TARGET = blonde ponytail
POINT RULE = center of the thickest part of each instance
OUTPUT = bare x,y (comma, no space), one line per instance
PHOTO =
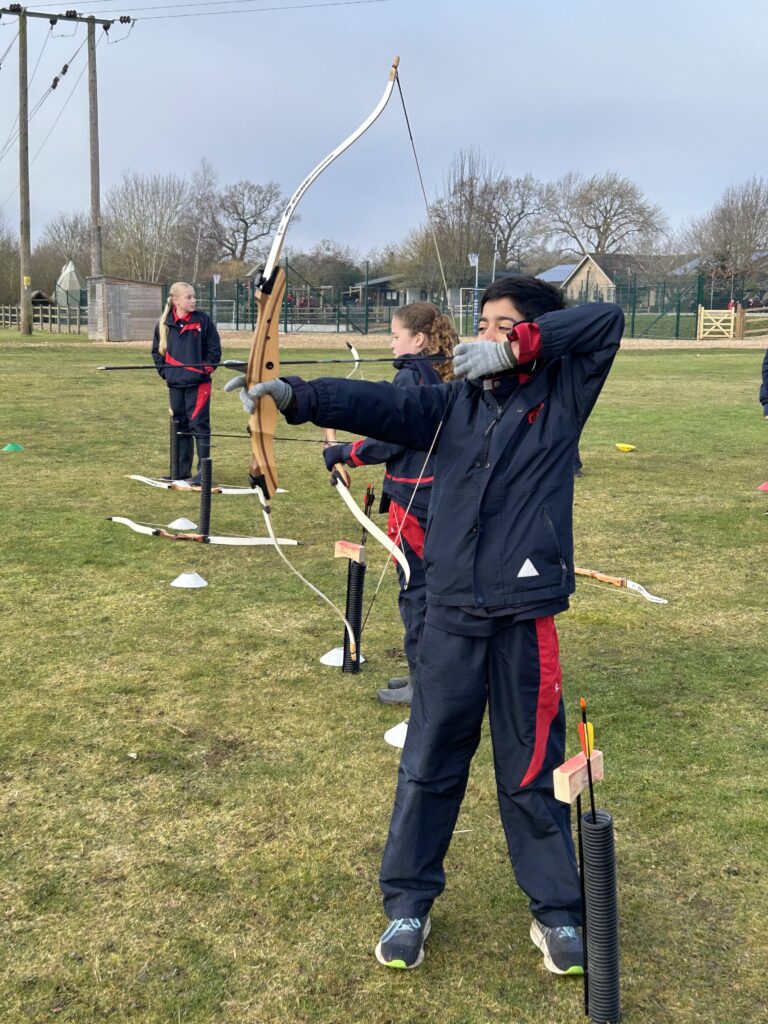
162,326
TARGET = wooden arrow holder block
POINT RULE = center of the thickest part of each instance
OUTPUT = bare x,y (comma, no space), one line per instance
571,778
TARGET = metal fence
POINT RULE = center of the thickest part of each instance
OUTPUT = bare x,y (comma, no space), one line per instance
662,309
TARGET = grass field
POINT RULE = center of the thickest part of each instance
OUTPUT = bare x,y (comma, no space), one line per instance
193,809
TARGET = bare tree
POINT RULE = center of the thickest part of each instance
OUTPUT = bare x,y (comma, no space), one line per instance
69,237
602,214
198,251
9,264
327,263
517,205
463,217
142,216
246,215
732,239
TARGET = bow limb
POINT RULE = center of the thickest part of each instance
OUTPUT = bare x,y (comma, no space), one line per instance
621,581
367,524
341,481
266,512
264,359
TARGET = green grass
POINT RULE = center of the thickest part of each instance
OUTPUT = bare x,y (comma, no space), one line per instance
228,871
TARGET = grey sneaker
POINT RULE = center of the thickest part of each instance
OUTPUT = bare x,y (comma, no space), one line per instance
398,682
402,944
562,947
402,695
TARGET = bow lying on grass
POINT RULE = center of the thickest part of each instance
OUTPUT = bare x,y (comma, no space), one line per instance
621,581
150,530
182,485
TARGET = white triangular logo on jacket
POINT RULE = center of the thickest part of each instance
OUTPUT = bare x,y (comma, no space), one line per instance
529,569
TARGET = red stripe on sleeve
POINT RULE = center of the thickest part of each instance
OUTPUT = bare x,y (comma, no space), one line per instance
353,454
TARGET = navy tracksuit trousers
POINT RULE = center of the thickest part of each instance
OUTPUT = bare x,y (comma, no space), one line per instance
517,673
192,408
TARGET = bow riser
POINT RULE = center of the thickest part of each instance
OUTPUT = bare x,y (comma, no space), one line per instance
264,364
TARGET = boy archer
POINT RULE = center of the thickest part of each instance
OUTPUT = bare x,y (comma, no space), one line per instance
499,565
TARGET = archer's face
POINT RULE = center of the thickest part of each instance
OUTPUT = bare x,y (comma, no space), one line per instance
497,320
185,301
405,342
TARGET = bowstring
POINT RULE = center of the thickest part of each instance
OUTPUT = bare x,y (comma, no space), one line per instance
430,219
430,223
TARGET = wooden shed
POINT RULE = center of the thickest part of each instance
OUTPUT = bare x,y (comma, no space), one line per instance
122,310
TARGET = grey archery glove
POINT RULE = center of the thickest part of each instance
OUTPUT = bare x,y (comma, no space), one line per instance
277,389
476,359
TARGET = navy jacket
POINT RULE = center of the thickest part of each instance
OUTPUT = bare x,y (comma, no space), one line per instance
764,385
404,466
189,341
500,524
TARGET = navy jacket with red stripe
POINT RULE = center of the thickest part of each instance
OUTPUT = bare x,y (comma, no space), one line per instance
193,339
500,524
404,466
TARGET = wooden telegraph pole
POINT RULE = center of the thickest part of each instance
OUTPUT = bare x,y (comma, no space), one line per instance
93,111
25,243
93,115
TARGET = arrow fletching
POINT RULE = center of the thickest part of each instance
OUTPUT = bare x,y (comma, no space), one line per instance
587,738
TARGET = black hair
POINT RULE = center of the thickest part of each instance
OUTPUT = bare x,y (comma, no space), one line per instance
530,295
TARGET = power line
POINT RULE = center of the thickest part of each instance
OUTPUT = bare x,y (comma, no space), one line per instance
57,78
244,10
50,130
8,49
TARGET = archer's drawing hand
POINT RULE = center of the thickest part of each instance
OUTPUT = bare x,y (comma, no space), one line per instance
279,390
476,359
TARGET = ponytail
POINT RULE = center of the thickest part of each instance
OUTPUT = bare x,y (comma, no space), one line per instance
162,326
426,318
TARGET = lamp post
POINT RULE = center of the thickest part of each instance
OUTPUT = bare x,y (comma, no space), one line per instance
474,261
216,278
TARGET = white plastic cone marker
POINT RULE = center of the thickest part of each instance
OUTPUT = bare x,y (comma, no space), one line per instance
182,524
335,658
189,580
395,736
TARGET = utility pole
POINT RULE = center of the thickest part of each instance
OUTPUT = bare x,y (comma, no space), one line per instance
93,111
25,243
93,116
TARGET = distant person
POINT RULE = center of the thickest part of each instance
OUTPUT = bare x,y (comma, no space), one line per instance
186,349
419,330
764,386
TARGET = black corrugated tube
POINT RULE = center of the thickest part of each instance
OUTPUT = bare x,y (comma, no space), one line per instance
354,613
206,478
602,924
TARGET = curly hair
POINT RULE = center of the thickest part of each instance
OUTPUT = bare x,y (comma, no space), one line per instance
426,318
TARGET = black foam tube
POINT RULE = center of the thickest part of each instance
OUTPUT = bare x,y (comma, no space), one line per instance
174,468
354,613
602,922
206,478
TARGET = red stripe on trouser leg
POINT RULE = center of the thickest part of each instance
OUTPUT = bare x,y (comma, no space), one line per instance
550,691
406,527
203,395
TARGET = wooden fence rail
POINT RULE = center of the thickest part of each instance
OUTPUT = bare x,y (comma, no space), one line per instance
62,319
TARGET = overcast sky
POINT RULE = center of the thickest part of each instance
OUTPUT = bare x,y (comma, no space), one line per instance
671,93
